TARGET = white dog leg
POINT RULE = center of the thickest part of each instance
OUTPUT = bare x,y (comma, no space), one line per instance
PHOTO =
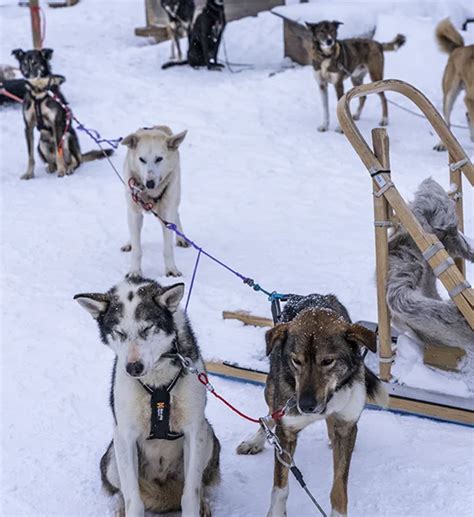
323,88
126,456
179,240
196,454
135,223
170,266
278,502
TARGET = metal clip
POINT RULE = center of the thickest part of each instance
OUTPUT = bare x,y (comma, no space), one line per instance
453,167
187,364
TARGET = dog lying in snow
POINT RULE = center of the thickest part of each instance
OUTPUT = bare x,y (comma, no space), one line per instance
412,295
335,60
153,162
58,145
164,455
315,361
458,74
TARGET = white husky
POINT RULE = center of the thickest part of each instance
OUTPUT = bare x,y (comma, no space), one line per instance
153,164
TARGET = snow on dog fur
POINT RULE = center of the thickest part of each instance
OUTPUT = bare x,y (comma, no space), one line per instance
142,323
153,162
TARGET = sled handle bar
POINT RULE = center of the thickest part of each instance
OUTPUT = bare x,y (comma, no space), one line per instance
457,154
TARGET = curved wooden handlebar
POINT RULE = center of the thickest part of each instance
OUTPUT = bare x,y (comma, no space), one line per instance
439,125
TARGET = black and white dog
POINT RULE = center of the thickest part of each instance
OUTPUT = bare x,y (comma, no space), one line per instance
180,18
164,455
43,108
205,37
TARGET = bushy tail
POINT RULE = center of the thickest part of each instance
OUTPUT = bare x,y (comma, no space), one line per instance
96,155
448,37
376,391
436,322
395,44
170,64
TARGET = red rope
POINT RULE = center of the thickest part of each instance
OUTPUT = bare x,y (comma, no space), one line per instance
11,95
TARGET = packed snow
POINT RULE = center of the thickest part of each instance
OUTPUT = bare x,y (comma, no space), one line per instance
262,190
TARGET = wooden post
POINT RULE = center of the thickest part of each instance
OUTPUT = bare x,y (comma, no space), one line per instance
456,179
380,142
36,24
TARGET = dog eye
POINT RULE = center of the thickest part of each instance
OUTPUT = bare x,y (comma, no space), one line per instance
142,159
158,159
144,332
328,362
295,361
120,334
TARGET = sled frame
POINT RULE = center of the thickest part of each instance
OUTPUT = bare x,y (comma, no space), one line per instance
388,201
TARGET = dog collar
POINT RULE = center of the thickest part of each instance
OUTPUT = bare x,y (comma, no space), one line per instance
161,409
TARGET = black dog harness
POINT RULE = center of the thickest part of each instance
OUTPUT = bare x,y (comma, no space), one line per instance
161,409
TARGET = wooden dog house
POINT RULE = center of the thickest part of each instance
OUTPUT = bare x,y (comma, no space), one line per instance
156,19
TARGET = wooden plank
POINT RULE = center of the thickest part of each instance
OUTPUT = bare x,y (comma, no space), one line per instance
160,33
381,214
443,357
455,178
411,406
247,319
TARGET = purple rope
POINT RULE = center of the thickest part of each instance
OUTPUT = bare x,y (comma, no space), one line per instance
196,264
95,135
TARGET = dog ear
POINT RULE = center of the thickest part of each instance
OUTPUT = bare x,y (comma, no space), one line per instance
58,79
171,296
47,53
175,141
362,337
276,336
311,26
18,53
94,303
336,23
130,141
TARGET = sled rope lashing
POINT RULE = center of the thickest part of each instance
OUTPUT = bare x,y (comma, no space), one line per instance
136,192
283,456
390,208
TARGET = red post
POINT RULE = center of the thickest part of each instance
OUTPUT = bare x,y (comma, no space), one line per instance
36,24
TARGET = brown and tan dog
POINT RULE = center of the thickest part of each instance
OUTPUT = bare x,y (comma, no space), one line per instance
335,60
315,362
458,74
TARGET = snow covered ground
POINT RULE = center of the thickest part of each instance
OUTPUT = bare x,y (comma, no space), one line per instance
263,190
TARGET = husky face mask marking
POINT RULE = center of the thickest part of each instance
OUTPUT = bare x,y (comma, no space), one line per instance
156,150
34,63
321,349
324,35
135,319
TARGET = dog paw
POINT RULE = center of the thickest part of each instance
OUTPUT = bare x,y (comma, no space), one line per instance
249,447
215,67
70,172
440,147
61,174
205,510
339,130
172,271
126,248
134,273
27,176
323,128
51,168
181,243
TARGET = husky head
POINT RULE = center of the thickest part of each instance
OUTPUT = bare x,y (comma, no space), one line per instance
319,350
324,35
34,63
136,319
154,154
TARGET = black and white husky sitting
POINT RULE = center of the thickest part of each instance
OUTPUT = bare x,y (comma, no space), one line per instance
164,455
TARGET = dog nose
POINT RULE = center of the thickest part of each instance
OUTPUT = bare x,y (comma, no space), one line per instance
307,403
150,184
329,41
135,369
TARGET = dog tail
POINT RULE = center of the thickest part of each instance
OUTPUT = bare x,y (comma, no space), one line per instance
170,64
96,155
395,44
448,37
376,391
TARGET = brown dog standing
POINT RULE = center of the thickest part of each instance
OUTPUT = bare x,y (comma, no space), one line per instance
315,362
335,60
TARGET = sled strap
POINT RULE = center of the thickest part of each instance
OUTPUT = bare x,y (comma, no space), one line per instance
462,286
386,359
453,167
431,251
383,224
446,264
382,190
